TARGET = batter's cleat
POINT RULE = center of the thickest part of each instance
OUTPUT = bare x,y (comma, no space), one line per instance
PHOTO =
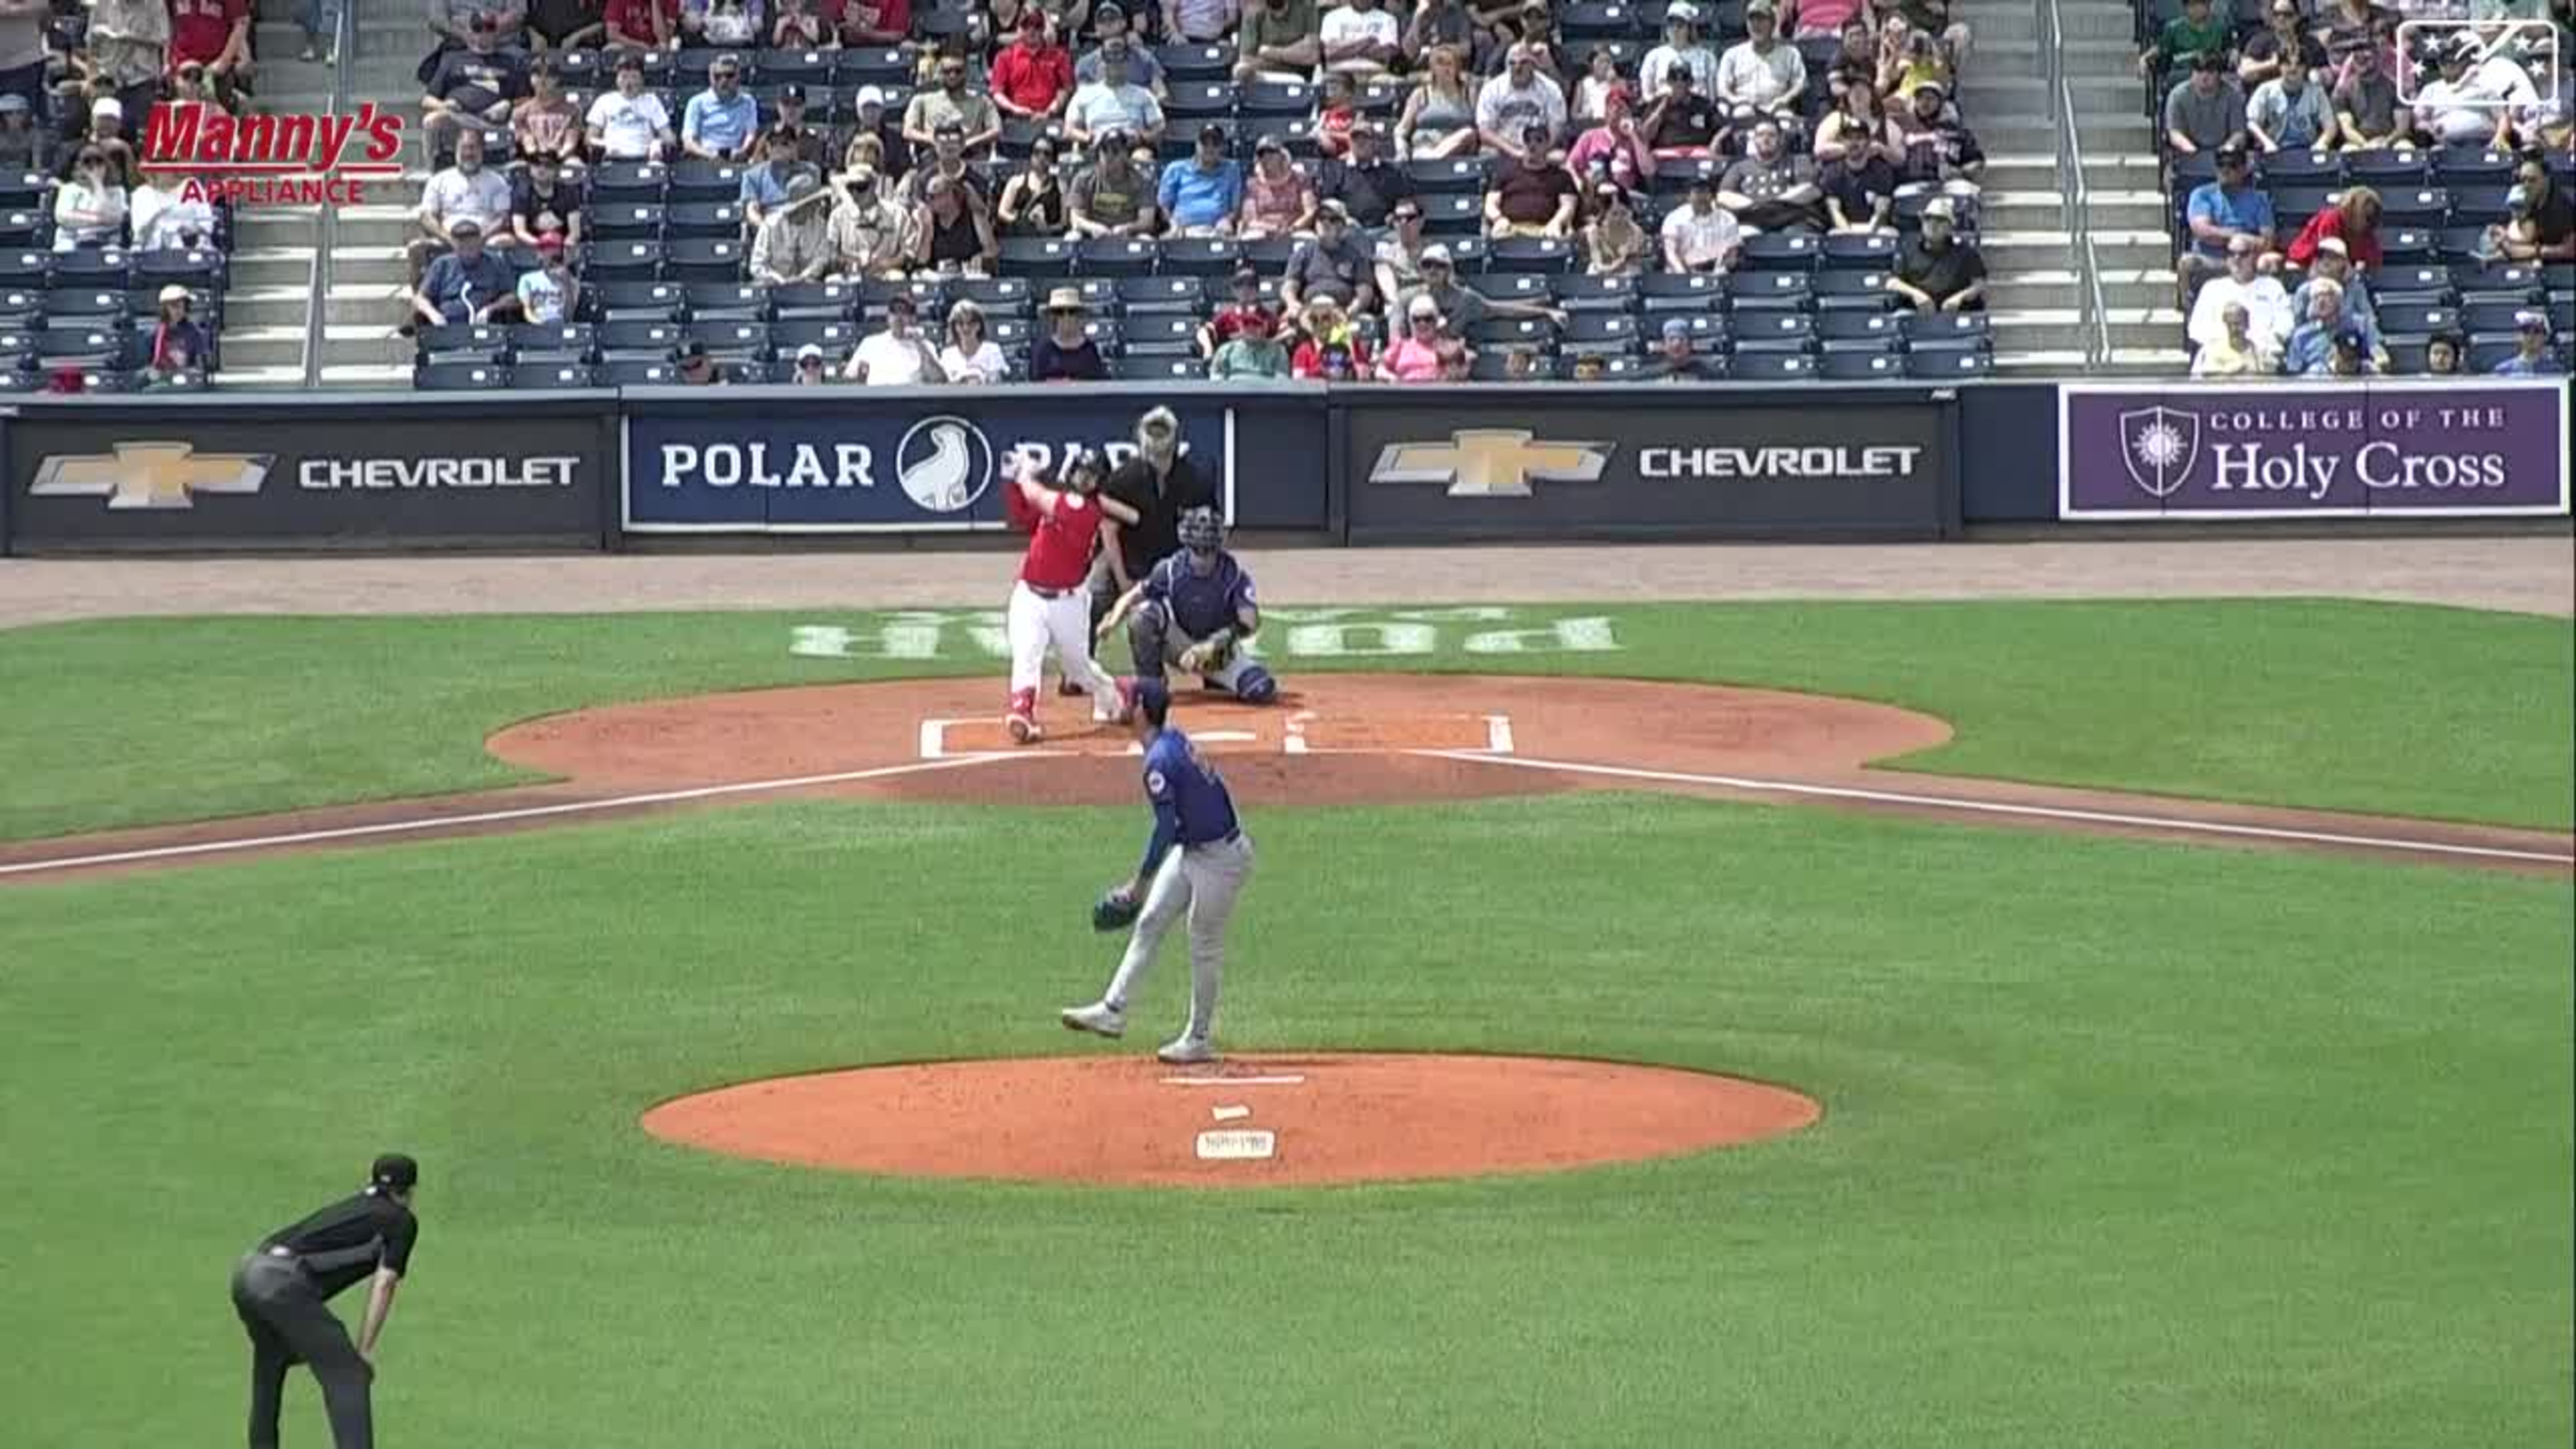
1112,707
1025,730
1068,689
1099,1018
1187,1051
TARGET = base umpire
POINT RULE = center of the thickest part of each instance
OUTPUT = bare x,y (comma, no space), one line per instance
281,1286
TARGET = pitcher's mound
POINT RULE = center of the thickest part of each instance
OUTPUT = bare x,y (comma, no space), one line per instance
1270,1121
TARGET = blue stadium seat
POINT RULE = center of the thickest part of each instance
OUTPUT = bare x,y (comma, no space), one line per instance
1537,287
2301,168
2456,166
1600,327
1186,62
702,259
570,339
1530,254
548,376
2481,317
1769,289
702,219
696,180
2404,245
638,260
1613,368
835,336
463,339
1466,174
1513,332
878,66
1685,292
1162,294
611,301
1840,326
1756,328
1200,256
730,339
998,296
1008,332
622,220
1576,292
1935,364
804,67
1037,256
1765,366
728,300
617,372
23,227
1852,291
1119,256
622,182
1867,365
1782,251
2485,352
2413,277
1155,330
2380,170
631,339
1933,328
2459,241
463,375
1597,20
1868,252
84,304
1452,213
2407,356
1158,368
103,267
1199,100
2479,202
825,300
1277,98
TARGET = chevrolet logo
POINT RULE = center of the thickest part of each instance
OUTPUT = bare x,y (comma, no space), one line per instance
1491,463
151,475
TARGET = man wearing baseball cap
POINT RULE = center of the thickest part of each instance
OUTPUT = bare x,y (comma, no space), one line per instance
2531,348
1203,192
280,1288
1032,77
550,294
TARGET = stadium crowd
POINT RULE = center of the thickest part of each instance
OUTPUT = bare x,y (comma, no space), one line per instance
2364,190
111,270
813,190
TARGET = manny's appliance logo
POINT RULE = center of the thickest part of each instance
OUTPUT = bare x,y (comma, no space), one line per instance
286,159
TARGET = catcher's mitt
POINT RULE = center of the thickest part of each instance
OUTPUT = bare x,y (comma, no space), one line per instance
1115,911
1207,657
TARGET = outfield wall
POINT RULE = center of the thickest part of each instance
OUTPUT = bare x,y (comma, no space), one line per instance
1345,465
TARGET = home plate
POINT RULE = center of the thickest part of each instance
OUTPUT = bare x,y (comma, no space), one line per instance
1237,1146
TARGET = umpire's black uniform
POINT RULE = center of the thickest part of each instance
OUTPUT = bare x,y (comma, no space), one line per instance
1159,500
280,1288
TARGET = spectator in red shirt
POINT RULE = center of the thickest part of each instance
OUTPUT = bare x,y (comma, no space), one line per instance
216,35
2354,219
642,24
1231,320
1333,350
1032,77
876,22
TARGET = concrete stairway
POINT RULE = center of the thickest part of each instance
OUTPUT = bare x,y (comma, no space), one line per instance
362,298
2035,263
270,292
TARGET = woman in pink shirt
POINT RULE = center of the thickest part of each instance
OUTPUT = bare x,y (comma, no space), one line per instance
1278,200
1615,149
1416,356
1819,17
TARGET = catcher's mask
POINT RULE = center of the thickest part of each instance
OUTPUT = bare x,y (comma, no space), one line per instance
1158,437
1202,535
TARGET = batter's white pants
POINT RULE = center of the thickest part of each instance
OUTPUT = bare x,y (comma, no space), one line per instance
1034,623
1201,883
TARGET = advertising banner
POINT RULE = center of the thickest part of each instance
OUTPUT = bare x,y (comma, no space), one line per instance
268,475
2456,448
1544,463
934,461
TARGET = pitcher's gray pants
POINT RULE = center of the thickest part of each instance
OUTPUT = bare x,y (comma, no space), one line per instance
1201,883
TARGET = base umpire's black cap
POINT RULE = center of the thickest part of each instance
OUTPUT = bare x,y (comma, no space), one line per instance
394,1170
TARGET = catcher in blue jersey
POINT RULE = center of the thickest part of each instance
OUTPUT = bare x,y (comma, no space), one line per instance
1193,610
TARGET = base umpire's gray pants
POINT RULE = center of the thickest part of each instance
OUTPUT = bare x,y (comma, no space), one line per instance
1201,883
288,1325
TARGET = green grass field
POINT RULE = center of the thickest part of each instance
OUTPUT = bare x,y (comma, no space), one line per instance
2127,1144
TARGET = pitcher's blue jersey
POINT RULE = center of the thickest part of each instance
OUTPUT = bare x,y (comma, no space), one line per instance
1201,606
1190,800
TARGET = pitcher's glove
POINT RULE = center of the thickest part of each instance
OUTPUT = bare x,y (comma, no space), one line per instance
1115,911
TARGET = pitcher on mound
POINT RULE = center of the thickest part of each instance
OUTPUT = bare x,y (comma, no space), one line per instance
1051,601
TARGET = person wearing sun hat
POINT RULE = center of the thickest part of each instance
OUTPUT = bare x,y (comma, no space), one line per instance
1065,352
2531,348
179,347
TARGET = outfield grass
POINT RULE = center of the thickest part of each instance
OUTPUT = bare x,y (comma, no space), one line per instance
2127,1144
2399,709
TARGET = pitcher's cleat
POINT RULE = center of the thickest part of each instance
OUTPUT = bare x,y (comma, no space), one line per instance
1099,1018
1187,1051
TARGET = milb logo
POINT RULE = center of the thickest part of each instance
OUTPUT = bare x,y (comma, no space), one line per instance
2478,65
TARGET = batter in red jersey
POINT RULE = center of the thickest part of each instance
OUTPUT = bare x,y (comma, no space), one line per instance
1051,602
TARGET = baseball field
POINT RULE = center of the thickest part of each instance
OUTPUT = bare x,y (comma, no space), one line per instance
2185,1007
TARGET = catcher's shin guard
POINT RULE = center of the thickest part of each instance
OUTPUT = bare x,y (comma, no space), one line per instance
1145,635
1255,685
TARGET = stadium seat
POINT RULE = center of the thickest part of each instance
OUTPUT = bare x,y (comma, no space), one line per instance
102,267
1530,254
1537,287
1187,62
1769,326
727,300
2407,355
1576,292
1451,214
1037,256
572,339
2427,206
1709,331
1840,326
2406,244
1161,330
1782,251
1613,368
2456,166
1597,20
1513,332
2301,168
1583,326
634,301
2485,352
1840,290
617,372
998,296
463,340
623,261
2475,317
1948,363
702,258
548,376
836,336
803,67
1158,369
1199,100
622,220
1200,256
2380,170
825,300
1683,292
460,376
630,339
1868,365
188,268
627,182
84,304
1162,294
1924,329
1009,332
1769,289
1867,252
1765,366
697,180
1455,175
1277,98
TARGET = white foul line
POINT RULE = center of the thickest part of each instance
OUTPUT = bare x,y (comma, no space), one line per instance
487,817
1998,807
1232,1081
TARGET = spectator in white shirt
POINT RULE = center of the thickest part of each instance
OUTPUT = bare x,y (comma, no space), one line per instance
173,215
550,294
629,123
2265,300
1519,98
1700,235
1114,103
2473,102
1765,75
971,356
1682,44
89,209
1361,39
2290,112
466,191
1199,22
899,356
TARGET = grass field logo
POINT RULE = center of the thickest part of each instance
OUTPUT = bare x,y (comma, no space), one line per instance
2477,65
1491,463
275,159
153,475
